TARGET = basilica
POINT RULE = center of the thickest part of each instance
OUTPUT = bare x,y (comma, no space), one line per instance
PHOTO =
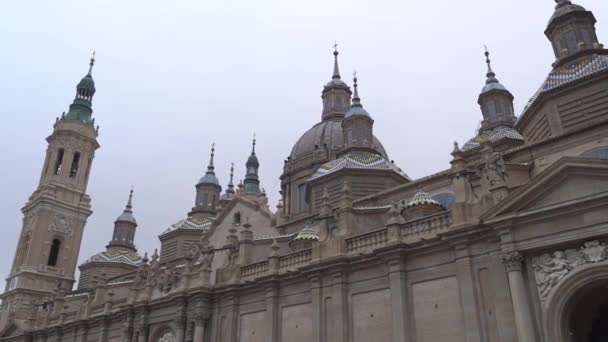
508,243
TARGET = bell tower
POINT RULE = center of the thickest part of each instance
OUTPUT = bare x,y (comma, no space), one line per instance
55,214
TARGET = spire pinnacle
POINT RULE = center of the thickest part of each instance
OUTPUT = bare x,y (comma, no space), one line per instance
253,144
91,63
129,205
127,213
336,75
211,166
230,189
356,98
490,73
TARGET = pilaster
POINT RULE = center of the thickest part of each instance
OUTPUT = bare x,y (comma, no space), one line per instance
468,295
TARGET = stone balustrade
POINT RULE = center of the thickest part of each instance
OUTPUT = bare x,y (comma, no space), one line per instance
367,241
255,270
426,228
296,259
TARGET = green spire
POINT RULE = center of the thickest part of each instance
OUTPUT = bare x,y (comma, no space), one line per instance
81,109
252,181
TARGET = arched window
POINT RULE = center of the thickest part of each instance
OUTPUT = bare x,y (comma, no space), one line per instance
597,153
54,253
236,219
58,161
74,166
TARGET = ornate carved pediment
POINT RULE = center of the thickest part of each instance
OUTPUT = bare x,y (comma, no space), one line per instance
567,180
550,269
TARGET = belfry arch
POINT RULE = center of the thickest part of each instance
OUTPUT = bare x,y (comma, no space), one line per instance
577,308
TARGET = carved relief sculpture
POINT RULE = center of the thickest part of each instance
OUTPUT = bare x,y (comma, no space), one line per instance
550,269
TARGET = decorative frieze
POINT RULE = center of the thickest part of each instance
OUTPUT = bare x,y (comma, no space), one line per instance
550,269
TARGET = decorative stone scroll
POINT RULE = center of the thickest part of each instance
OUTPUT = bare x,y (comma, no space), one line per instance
550,269
62,224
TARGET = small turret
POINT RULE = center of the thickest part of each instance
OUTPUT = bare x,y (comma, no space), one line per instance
251,184
81,109
571,31
358,125
336,94
208,190
124,228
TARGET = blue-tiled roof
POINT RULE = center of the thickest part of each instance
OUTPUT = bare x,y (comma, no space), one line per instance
568,73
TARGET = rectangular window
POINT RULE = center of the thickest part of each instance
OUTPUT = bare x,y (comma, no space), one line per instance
302,204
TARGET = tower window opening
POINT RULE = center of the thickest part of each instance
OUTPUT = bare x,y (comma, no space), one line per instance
571,41
74,166
359,135
54,253
236,219
587,38
59,161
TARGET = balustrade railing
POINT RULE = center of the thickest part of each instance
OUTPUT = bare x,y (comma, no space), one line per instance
371,240
295,259
426,228
254,270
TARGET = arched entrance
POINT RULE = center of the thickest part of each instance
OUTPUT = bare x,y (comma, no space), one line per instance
588,321
577,309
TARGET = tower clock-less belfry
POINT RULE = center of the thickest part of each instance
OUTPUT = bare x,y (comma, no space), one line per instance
55,214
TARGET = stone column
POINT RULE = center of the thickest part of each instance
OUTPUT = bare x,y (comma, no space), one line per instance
103,330
272,312
180,328
340,307
199,327
398,286
317,308
467,293
523,318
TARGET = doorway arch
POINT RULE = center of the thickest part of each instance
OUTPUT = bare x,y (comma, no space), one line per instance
578,306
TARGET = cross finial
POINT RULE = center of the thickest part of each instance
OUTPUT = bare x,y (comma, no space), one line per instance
335,46
253,145
490,73
91,63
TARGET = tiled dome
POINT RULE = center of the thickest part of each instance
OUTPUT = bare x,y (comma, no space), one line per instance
327,132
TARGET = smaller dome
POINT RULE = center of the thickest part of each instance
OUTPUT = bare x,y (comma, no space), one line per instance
336,83
126,217
422,198
357,111
87,83
209,178
116,256
493,135
197,223
563,8
493,86
307,233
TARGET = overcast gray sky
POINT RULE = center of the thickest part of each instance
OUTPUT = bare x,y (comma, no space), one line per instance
174,76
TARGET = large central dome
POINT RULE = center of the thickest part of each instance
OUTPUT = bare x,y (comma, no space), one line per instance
325,134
